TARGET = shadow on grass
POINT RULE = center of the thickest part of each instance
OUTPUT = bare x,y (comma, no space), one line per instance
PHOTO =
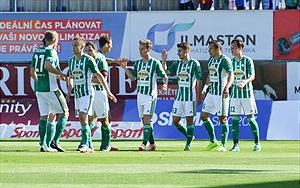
278,184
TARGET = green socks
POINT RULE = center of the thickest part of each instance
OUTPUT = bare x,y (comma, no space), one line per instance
102,137
190,134
182,128
85,134
254,127
92,125
210,130
146,133
50,132
151,137
224,135
235,129
42,131
60,126
106,134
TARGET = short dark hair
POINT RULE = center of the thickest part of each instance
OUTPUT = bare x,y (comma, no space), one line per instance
50,35
104,39
146,42
80,40
217,44
238,42
184,45
94,46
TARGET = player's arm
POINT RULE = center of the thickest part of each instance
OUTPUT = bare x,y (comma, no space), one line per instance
127,71
199,92
117,61
104,84
70,88
96,80
164,87
246,81
164,56
33,74
205,88
228,85
50,68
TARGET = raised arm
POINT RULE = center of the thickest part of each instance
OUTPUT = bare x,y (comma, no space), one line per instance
164,56
127,71
117,61
49,67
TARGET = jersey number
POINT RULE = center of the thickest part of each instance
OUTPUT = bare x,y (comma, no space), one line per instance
39,59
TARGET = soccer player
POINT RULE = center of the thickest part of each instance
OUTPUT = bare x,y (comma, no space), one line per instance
219,80
146,71
242,101
189,73
100,104
82,67
45,70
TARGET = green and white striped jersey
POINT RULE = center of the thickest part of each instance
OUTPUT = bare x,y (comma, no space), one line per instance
81,70
187,75
46,81
147,74
242,70
102,66
218,69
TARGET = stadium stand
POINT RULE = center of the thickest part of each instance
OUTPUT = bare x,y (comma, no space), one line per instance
123,5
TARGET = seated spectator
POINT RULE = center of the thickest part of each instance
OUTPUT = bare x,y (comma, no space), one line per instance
205,4
221,4
187,5
291,4
240,4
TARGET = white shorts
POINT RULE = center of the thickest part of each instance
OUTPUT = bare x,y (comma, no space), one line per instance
84,104
184,108
51,102
216,104
245,106
146,104
100,104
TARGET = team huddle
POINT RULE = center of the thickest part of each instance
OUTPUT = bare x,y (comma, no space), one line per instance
228,86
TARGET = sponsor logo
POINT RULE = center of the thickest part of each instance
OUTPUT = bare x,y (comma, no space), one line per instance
12,106
238,73
172,29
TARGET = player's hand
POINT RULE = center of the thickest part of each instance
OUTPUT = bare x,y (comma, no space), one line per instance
241,85
164,87
112,97
226,92
121,60
123,65
164,55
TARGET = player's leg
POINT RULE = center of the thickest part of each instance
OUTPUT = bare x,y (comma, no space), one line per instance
251,109
190,113
208,108
44,111
236,108
59,105
85,110
177,114
146,107
222,106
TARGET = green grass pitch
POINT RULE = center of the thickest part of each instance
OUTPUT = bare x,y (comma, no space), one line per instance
277,165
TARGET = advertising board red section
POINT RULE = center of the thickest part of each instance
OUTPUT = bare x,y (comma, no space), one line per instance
286,35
